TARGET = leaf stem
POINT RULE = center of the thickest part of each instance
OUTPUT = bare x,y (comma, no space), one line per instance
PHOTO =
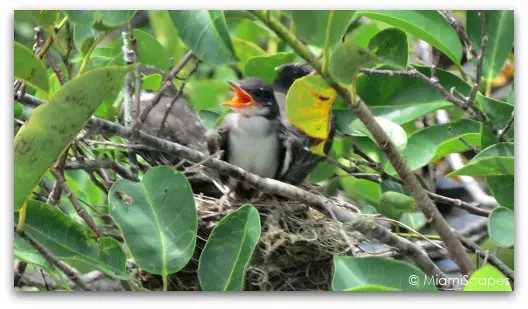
326,48
165,281
86,58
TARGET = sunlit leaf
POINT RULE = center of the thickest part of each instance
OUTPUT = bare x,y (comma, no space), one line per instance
308,105
488,279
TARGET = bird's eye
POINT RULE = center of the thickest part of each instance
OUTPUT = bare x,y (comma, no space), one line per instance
258,93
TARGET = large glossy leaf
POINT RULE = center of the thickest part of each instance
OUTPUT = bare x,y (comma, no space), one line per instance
499,28
437,141
427,25
84,37
29,69
53,125
347,121
351,273
395,133
488,279
311,26
226,255
499,166
158,219
501,227
206,34
72,242
391,46
264,67
150,51
415,220
308,106
347,59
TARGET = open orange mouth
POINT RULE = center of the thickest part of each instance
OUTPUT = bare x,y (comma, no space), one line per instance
242,99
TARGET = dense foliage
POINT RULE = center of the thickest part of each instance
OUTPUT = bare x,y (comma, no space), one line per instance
439,85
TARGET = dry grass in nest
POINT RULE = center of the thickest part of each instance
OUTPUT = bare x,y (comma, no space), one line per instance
294,253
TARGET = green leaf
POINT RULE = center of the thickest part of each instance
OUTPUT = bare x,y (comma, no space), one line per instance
429,26
356,188
208,94
347,59
53,125
158,219
150,52
511,95
501,227
390,45
362,35
437,141
112,18
226,255
499,28
488,279
165,33
498,113
347,121
396,134
352,273
72,242
498,166
415,220
308,106
311,26
372,288
206,34
394,204
29,69
246,50
84,37
152,82
264,67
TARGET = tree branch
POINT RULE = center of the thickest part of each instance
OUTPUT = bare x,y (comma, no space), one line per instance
502,133
65,268
480,60
410,182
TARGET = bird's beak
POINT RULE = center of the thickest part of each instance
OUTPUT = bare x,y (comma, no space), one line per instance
242,99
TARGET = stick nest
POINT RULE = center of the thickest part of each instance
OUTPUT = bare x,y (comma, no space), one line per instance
294,252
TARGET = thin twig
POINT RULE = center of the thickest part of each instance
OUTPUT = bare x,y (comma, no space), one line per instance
20,268
472,110
492,258
178,95
502,133
461,33
92,165
65,268
462,140
167,82
480,60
